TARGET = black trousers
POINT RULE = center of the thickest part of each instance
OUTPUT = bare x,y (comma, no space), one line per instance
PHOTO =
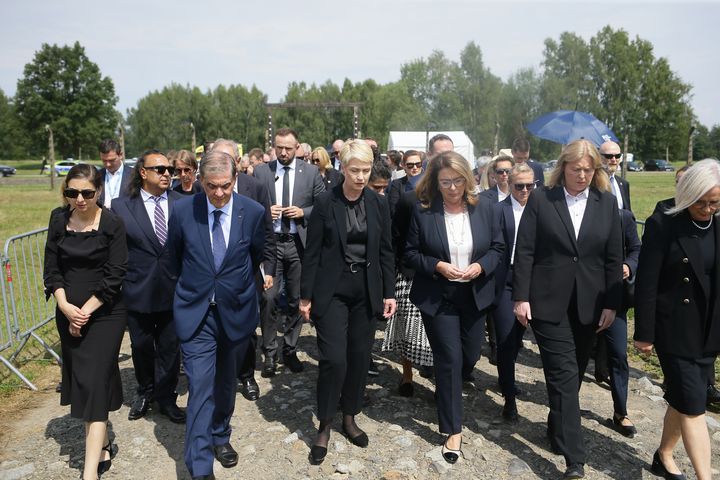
509,334
611,356
455,334
345,334
565,350
155,354
246,360
289,255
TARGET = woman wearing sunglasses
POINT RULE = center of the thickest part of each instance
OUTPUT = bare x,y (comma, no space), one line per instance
186,169
320,158
85,263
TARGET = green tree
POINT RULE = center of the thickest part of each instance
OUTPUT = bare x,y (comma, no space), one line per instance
62,88
13,141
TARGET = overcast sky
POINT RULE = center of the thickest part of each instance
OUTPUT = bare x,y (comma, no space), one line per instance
145,45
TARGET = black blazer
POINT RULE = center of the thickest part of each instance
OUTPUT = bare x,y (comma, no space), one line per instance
124,183
400,226
253,188
149,284
332,177
427,245
538,171
503,213
550,263
624,192
672,307
491,194
631,241
324,257
395,191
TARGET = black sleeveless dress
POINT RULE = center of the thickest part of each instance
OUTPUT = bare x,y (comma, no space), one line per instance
86,264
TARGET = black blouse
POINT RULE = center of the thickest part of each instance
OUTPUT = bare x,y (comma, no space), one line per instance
356,225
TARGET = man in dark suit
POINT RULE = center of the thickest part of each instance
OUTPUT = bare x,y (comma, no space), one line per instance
216,245
610,155
148,286
116,177
521,154
252,188
293,185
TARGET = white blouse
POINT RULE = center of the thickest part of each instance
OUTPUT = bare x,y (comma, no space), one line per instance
459,240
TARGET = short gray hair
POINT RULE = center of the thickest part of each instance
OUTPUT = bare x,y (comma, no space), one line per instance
520,168
231,143
215,161
699,179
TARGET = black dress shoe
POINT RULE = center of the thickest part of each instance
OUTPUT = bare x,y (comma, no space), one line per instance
226,455
509,412
574,470
293,363
204,477
317,454
269,368
139,408
406,389
360,440
372,369
658,468
173,413
713,394
249,388
626,430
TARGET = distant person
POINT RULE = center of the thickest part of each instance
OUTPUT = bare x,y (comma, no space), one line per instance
611,155
677,312
521,154
413,165
115,176
335,154
321,159
256,157
186,170
502,166
85,263
379,178
394,164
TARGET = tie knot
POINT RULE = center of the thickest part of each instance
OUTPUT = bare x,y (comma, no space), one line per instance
286,168
156,199
217,214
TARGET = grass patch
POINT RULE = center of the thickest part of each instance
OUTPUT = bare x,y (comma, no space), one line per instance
25,207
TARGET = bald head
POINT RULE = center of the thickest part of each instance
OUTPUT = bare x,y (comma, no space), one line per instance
610,156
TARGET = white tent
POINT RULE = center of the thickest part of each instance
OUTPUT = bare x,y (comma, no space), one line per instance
417,141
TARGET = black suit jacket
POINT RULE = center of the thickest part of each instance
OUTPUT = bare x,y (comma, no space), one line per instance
149,284
503,213
550,264
324,258
395,192
673,309
400,226
664,205
491,194
624,192
538,171
332,177
427,245
127,175
252,188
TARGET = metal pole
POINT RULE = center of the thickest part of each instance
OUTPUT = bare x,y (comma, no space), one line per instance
194,141
51,148
623,166
356,122
691,139
121,130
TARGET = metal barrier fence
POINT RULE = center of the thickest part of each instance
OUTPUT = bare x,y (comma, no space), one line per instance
23,294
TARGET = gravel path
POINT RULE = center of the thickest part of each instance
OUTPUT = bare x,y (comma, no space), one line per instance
273,435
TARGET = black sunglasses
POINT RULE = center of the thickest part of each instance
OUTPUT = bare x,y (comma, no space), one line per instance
161,169
73,193
500,171
523,186
412,165
612,155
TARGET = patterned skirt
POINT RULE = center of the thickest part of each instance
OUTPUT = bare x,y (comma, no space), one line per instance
405,332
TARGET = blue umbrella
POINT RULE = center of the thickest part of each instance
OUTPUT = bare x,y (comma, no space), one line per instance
564,126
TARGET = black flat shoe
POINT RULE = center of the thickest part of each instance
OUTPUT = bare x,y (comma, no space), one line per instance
317,454
406,389
451,456
105,465
226,455
626,430
574,470
359,440
172,412
658,468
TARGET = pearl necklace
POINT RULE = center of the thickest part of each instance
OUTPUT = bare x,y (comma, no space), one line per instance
451,226
706,226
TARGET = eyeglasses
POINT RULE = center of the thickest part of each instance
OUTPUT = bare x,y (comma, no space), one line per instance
184,170
446,184
73,193
314,160
502,171
411,165
161,169
612,155
523,186
712,205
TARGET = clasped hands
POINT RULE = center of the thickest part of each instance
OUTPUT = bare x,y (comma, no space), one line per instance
76,316
290,212
451,272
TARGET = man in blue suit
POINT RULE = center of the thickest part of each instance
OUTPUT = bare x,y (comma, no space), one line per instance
216,241
149,285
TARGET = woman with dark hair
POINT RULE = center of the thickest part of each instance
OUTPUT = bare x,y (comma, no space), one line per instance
412,163
85,263
347,283
454,246
677,310
320,158
186,167
567,282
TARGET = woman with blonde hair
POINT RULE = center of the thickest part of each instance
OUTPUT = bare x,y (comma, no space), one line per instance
320,158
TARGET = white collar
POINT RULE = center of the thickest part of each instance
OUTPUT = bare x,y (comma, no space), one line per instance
146,196
580,196
515,204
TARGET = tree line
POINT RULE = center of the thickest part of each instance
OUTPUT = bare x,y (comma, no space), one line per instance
614,76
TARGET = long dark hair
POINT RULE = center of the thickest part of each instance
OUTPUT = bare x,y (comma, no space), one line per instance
83,171
137,181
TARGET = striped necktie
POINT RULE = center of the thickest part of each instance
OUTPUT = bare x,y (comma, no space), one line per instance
160,225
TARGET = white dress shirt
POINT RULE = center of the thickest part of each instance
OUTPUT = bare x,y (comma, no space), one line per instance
225,220
113,183
460,240
501,195
517,215
149,202
576,205
279,174
616,191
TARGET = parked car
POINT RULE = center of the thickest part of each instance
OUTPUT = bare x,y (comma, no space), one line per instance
549,166
658,166
6,171
61,168
130,162
635,166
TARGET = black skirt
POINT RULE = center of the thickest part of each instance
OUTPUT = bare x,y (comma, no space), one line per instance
686,381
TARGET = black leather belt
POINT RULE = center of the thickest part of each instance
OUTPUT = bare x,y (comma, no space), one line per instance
356,266
285,237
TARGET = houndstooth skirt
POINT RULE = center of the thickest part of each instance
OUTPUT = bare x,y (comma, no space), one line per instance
405,332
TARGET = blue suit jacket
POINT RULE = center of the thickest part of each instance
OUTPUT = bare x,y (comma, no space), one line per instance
149,283
427,244
233,285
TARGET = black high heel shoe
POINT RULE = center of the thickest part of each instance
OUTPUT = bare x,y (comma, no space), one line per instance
105,465
451,456
658,468
626,430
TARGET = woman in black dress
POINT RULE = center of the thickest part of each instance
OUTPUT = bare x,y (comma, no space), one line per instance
320,158
677,311
85,262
